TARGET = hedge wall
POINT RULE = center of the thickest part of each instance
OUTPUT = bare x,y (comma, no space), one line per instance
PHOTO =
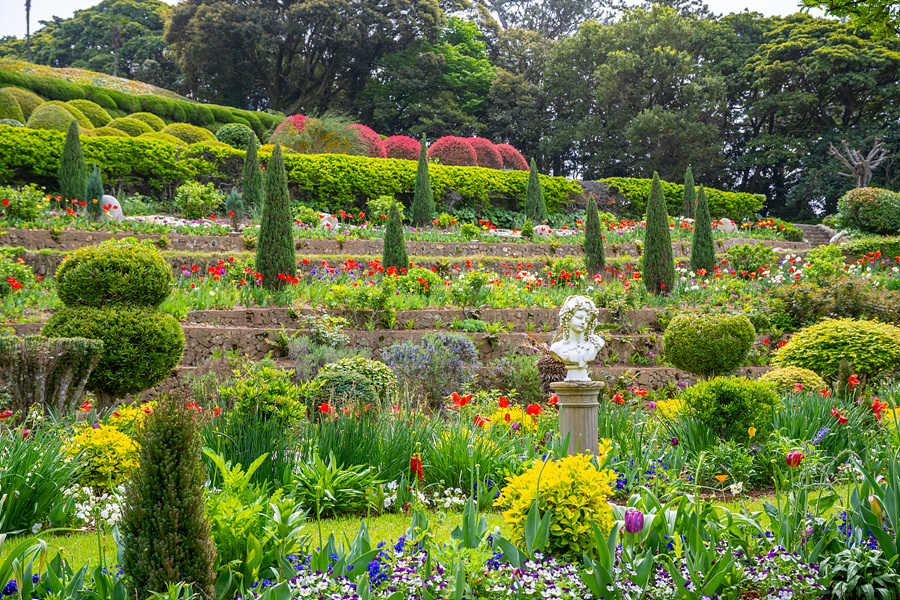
721,204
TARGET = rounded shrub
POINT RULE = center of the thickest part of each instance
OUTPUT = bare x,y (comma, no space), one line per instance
340,389
9,107
83,121
164,137
124,101
235,135
381,376
155,123
787,379
28,101
869,346
874,210
401,146
50,116
109,131
195,200
708,344
264,390
512,158
12,123
371,141
140,346
115,273
189,133
730,406
222,114
131,126
486,153
100,97
453,151
204,115
95,113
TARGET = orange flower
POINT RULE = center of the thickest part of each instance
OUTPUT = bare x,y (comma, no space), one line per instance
553,399
415,465
619,398
86,406
721,478
640,392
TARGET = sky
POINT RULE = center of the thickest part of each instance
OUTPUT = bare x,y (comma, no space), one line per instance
12,12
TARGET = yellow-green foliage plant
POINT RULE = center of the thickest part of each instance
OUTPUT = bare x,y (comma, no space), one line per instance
708,344
109,131
131,126
150,119
95,113
79,116
869,346
9,108
164,137
573,490
28,101
189,133
110,456
787,379
50,116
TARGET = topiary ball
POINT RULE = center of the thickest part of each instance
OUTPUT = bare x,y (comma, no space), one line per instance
453,151
874,210
131,126
708,344
235,135
140,346
95,113
155,123
869,346
786,379
512,158
9,107
189,133
340,389
28,101
486,153
401,146
115,273
50,116
371,141
730,406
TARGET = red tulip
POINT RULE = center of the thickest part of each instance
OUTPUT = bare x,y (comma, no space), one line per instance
794,458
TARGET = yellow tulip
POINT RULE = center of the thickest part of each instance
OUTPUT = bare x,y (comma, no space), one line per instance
751,432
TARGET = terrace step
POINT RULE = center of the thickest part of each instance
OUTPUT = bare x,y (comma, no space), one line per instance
816,235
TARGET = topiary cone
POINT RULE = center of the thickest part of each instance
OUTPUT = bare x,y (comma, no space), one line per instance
594,255
72,169
275,253
703,253
422,211
658,264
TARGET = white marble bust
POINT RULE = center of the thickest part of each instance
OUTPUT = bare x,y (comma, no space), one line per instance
576,343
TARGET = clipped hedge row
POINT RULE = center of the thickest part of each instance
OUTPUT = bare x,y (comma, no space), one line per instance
721,204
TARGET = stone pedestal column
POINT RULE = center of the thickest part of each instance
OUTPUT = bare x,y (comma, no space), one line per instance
578,414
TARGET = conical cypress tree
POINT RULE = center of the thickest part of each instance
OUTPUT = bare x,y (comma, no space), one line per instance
72,170
165,531
394,242
422,211
658,270
689,199
93,194
535,207
594,256
275,247
252,183
703,253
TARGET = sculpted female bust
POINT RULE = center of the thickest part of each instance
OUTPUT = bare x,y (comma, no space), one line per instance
576,344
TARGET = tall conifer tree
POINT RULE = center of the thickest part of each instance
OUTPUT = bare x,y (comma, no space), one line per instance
703,253
394,251
594,255
275,253
535,206
252,178
658,268
422,211
689,199
93,194
72,170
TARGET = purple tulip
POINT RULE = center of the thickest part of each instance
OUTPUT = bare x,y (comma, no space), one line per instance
634,521
674,441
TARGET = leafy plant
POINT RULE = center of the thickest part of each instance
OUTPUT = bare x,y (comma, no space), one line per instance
331,489
708,344
196,201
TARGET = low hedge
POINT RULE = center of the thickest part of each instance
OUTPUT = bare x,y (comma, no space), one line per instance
733,205
888,247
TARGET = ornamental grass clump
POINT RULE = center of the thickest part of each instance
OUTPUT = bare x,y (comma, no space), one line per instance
574,490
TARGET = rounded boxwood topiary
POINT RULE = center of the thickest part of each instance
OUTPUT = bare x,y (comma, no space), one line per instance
379,374
340,389
115,273
235,135
50,116
708,344
874,210
9,108
869,346
730,406
131,126
786,379
164,137
28,100
110,132
140,346
95,113
189,133
83,121
155,123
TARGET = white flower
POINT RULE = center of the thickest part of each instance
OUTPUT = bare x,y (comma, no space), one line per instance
736,488
36,527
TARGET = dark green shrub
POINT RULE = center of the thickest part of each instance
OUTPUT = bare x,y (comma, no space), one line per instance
93,111
708,344
164,527
869,346
339,390
221,114
51,116
235,135
140,346
189,112
28,101
157,105
9,107
72,172
657,263
730,406
93,194
516,373
204,115
155,123
189,133
746,258
131,126
275,254
127,102
703,253
100,97
115,273
394,249
785,380
689,196
251,179
535,206
873,210
422,210
594,255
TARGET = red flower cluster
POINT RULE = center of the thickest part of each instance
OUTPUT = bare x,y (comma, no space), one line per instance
841,419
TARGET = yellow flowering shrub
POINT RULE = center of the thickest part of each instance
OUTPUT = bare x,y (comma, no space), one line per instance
110,456
512,417
575,492
670,409
128,417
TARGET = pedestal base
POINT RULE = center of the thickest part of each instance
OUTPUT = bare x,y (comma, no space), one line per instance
577,402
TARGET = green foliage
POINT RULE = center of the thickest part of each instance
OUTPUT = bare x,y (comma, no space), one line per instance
721,204
164,527
824,263
708,344
265,390
109,131
189,133
93,194
381,205
880,17
423,200
790,232
83,121
115,273
95,113
339,390
594,255
517,374
24,203
731,405
703,253
328,134
749,258
860,572
657,263
436,366
155,123
689,197
535,205
329,490
9,108
28,101
785,379
378,373
251,178
156,135
275,246
869,346
196,201
140,346
72,173
527,231
51,116
394,249
873,210
131,126
236,135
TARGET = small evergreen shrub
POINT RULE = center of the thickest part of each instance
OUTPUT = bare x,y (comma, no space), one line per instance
401,146
95,113
689,199
512,158
150,119
265,390
50,116
486,153
423,200
703,252
657,263
381,376
786,380
28,101
131,126
111,132
340,390
235,135
436,366
115,273
9,108
748,258
453,151
275,254
164,527
72,170
189,133
869,346
708,344
730,406
196,201
83,121
394,249
594,254
372,144
251,178
535,206
873,210
154,135
517,373
93,194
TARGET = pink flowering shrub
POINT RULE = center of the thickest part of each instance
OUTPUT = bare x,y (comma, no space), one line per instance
288,129
401,146
512,158
371,141
487,154
453,151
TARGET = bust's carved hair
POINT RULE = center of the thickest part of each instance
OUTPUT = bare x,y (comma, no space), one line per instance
569,307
